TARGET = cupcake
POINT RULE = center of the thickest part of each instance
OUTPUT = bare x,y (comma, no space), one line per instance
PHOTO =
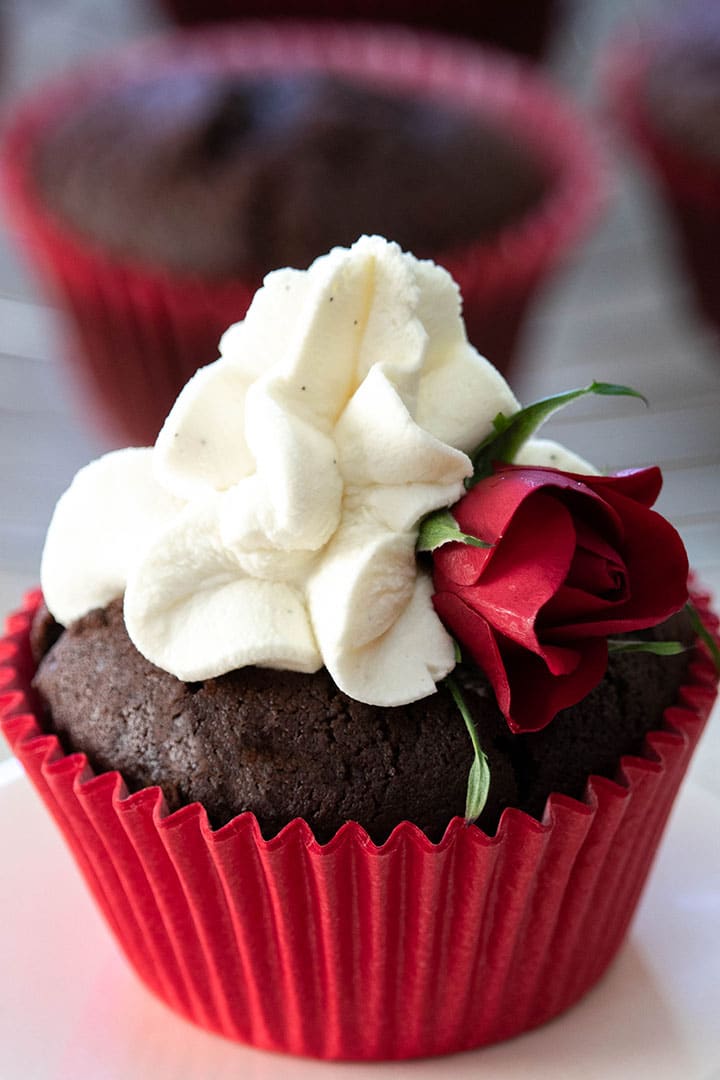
351,774
665,93
156,189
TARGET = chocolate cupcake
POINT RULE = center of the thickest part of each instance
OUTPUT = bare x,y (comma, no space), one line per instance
291,681
156,190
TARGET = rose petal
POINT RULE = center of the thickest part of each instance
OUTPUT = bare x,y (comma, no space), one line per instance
476,639
597,567
640,485
657,570
489,507
528,567
536,695
528,694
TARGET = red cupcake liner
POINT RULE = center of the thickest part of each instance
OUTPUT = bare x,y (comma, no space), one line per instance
690,184
141,331
350,950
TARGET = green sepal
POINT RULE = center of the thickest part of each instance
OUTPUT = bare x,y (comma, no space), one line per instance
658,648
509,433
477,789
441,528
479,775
704,634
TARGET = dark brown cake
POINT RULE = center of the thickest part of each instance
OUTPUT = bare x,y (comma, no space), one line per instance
221,175
286,745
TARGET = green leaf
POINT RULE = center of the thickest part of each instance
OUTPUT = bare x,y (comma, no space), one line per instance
509,433
479,775
658,648
441,528
704,634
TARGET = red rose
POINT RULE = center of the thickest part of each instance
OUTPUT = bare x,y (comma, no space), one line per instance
575,559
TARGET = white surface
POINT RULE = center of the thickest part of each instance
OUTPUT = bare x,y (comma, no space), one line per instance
71,1007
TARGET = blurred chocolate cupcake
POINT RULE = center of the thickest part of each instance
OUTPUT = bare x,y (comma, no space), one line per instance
157,189
222,175
665,92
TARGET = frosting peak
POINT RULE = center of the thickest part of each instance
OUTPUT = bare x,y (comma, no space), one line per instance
275,520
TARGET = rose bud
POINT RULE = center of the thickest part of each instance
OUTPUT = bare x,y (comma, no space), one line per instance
574,560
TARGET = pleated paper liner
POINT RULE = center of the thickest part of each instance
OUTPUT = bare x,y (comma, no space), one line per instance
690,184
352,950
141,330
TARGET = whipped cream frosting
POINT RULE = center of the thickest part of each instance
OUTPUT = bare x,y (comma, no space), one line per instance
274,521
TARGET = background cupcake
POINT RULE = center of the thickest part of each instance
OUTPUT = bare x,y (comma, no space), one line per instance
141,323
665,92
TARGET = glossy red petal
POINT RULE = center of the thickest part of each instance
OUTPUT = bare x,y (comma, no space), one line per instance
488,508
528,694
458,564
536,695
597,567
657,571
527,569
477,640
641,485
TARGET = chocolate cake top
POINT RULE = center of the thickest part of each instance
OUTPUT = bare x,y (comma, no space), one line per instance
284,744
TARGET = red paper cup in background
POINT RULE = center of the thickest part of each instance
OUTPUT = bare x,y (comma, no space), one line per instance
690,184
141,330
350,950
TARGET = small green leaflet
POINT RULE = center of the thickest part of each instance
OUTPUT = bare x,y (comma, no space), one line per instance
479,775
704,634
509,433
658,648
441,528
